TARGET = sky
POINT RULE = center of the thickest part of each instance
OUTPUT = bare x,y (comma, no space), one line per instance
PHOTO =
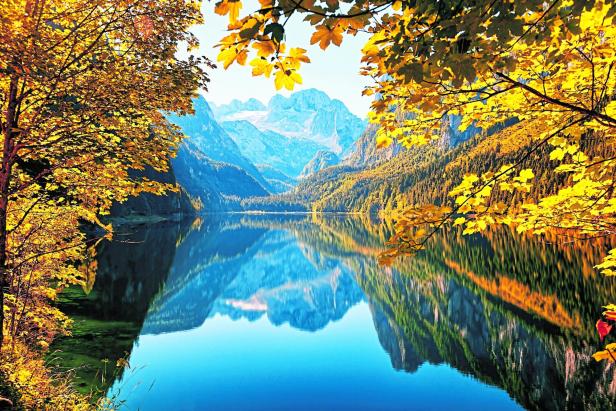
334,71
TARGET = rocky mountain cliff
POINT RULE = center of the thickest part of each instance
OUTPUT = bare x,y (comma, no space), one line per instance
321,160
268,148
206,135
365,153
308,114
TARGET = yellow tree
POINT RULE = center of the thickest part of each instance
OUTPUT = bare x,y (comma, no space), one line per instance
548,65
84,85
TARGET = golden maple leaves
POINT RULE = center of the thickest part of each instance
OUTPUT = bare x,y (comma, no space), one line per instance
97,76
326,35
271,57
263,30
230,7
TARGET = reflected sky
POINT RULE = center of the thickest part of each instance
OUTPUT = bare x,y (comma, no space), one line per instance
243,365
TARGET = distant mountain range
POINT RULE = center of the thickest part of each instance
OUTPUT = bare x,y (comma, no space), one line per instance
308,114
288,133
298,153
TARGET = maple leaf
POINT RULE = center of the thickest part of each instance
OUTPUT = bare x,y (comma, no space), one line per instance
603,328
264,48
227,56
298,54
230,7
260,66
287,79
607,354
325,35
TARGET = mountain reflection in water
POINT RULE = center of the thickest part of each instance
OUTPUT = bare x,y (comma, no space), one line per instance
294,312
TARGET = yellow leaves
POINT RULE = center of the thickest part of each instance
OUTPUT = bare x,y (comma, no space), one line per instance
610,109
466,185
122,363
297,55
557,154
525,175
230,7
324,35
261,67
287,79
23,376
229,55
383,141
459,221
607,354
608,266
264,48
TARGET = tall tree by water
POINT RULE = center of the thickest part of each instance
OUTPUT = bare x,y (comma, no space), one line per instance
84,85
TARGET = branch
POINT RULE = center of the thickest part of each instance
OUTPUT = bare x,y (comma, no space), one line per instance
591,113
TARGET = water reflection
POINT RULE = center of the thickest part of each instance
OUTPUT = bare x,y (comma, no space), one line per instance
263,312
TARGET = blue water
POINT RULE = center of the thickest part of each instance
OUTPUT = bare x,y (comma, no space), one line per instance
243,365
296,313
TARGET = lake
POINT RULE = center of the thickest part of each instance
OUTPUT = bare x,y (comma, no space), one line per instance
237,312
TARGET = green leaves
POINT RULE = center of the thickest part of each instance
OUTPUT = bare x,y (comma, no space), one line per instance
276,32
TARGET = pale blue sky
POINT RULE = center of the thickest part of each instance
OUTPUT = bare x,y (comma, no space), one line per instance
335,71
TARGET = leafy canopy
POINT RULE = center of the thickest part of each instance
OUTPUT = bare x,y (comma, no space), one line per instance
547,65
84,87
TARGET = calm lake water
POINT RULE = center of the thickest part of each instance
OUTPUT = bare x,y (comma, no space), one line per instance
295,313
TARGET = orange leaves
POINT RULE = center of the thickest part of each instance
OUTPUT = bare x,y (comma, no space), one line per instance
144,26
264,48
232,54
230,7
297,56
324,35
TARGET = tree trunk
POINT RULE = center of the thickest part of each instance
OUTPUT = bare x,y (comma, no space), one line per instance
5,176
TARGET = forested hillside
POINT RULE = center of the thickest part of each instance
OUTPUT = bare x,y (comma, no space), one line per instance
396,177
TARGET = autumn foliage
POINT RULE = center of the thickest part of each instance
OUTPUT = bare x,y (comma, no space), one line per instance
545,64
84,87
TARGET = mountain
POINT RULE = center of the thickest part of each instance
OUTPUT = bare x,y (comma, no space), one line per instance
207,136
365,153
147,205
236,106
288,132
287,155
213,184
279,181
321,160
312,114
372,180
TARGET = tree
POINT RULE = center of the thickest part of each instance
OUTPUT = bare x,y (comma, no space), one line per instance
547,65
84,85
